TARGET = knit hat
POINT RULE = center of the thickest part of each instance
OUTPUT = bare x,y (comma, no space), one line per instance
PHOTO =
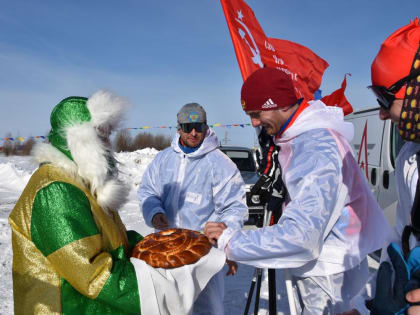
267,89
394,60
191,113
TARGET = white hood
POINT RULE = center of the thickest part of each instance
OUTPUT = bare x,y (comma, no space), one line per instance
318,115
209,143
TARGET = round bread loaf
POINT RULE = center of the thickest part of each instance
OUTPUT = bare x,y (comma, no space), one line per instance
172,248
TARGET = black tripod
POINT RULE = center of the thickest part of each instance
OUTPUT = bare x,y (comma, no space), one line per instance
272,192
257,278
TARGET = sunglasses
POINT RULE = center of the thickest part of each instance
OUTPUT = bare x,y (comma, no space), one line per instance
386,96
199,127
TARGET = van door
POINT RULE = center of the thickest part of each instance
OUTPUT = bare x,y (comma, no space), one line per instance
367,142
387,193
376,144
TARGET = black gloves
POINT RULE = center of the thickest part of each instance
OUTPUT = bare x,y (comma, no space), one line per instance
390,299
262,188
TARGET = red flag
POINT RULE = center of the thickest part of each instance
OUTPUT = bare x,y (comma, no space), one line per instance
337,98
247,35
254,50
308,66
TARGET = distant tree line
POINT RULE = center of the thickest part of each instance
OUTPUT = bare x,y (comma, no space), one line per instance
123,142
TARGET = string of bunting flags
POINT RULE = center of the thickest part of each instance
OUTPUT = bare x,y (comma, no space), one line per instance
22,139
212,126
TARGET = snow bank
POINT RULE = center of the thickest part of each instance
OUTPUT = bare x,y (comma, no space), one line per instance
15,178
132,165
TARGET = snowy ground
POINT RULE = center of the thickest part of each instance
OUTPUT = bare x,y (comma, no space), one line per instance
16,171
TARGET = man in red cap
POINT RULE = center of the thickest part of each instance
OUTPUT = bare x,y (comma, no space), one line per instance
396,84
331,221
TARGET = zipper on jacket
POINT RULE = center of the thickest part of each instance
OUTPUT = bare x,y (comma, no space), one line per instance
179,181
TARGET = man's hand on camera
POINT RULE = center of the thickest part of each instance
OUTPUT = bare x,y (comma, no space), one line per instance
262,188
263,183
160,222
213,230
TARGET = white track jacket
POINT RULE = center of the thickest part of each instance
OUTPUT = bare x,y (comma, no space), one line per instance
331,220
191,189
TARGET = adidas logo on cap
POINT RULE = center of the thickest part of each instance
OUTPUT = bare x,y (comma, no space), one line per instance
269,104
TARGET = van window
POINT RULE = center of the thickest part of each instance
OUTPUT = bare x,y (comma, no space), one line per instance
396,144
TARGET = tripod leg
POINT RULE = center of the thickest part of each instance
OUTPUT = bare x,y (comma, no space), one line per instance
251,291
257,294
272,298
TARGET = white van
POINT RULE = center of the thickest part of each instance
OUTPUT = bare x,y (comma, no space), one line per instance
376,144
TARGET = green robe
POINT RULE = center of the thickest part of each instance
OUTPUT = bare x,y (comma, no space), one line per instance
69,255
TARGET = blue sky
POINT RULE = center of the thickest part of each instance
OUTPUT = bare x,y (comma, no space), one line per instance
163,54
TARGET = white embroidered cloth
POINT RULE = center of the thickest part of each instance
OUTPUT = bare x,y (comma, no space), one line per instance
173,291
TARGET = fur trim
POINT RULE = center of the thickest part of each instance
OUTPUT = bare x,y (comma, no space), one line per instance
112,195
106,110
88,153
47,153
90,167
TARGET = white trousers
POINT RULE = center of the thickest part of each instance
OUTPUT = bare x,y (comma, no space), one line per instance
329,294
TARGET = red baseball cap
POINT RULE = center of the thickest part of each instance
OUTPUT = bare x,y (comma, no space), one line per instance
394,59
267,89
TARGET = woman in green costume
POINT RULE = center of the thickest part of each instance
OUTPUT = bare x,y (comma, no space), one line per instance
70,248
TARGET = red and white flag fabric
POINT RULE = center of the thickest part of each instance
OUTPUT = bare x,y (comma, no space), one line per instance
308,66
255,50
337,98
